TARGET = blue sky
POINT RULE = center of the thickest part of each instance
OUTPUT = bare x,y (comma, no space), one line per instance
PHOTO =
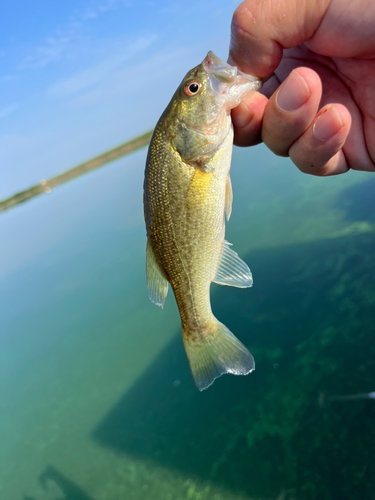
80,77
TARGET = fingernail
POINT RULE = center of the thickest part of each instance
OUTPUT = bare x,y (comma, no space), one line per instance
242,116
327,124
293,93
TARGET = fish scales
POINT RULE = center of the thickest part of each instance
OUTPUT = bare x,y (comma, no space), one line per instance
185,198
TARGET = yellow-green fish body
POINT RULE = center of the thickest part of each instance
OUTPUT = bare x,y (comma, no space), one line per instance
187,191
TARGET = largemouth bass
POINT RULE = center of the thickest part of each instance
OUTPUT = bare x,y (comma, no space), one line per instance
187,190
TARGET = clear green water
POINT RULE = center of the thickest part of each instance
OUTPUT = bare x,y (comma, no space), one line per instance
97,402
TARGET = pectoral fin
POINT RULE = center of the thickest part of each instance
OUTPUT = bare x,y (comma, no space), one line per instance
228,197
232,270
157,284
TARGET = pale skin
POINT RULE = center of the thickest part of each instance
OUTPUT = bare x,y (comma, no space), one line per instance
318,103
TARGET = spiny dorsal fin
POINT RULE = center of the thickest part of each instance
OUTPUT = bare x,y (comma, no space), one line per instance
157,285
228,197
232,270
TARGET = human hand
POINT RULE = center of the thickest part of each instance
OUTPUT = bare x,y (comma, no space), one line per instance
321,106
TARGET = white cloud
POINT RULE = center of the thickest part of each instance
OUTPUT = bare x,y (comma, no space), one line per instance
4,112
66,39
53,50
112,5
89,14
106,69
9,78
94,12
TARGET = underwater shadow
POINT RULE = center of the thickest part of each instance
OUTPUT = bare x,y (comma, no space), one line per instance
309,322
358,201
52,478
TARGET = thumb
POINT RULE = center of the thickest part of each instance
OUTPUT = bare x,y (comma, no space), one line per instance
261,29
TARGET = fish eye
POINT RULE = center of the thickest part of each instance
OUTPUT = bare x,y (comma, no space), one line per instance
192,88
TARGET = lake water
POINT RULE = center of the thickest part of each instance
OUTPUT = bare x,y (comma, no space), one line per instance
97,401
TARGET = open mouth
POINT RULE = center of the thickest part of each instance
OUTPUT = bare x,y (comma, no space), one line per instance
219,69
224,78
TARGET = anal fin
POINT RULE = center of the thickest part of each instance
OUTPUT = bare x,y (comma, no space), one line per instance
232,270
157,284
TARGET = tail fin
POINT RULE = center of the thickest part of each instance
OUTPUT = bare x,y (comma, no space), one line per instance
215,352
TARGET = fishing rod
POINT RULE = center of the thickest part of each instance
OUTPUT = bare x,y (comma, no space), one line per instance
323,398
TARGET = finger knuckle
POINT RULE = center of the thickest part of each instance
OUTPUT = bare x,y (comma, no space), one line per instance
243,22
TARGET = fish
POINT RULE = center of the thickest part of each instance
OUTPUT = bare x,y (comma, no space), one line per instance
187,194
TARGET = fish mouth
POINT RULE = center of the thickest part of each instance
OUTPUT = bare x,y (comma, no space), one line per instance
224,71
229,80
220,69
